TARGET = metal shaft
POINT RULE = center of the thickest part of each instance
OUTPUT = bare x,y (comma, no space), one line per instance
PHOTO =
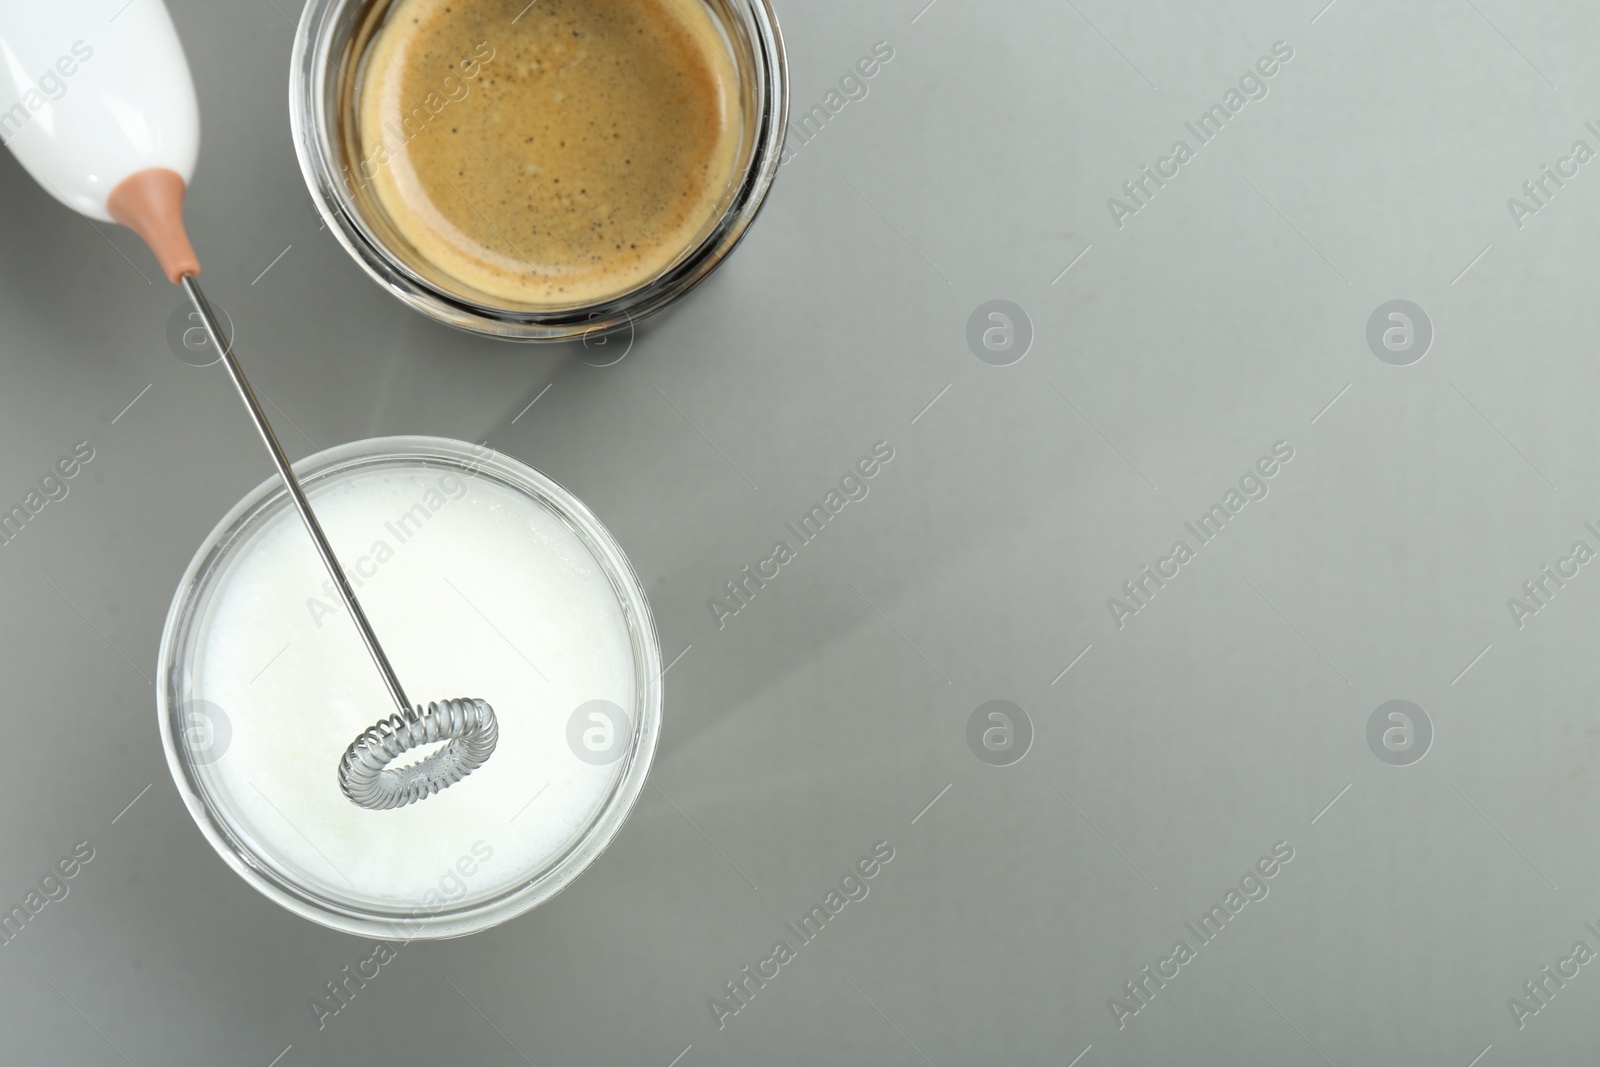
301,504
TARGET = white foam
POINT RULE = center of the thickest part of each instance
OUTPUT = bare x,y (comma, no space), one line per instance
475,590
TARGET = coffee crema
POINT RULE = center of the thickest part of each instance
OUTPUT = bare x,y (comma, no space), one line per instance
550,154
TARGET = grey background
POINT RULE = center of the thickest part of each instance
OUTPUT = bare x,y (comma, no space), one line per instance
823,718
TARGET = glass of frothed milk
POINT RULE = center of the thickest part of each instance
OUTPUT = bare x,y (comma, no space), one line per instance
483,578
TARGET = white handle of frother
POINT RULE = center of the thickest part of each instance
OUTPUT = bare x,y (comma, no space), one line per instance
92,92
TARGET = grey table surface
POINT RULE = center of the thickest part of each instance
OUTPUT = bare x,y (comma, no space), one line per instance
1175,342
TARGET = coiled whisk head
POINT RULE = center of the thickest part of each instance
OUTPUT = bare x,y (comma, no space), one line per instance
367,779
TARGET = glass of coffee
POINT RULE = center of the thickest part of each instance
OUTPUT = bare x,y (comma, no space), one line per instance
538,171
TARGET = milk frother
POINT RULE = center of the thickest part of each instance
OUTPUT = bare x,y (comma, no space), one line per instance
102,112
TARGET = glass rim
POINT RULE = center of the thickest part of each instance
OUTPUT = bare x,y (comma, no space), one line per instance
185,619
323,32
